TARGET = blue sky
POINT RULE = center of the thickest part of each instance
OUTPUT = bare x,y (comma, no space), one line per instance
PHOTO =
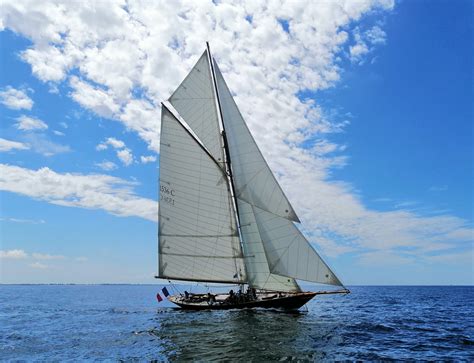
375,105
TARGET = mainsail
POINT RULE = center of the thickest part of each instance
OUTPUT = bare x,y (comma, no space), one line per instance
198,236
194,100
223,215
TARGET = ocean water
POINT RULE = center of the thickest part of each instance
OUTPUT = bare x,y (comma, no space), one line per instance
112,322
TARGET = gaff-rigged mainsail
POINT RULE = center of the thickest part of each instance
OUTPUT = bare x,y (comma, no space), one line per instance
204,197
198,236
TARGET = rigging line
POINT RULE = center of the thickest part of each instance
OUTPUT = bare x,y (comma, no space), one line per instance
169,107
230,178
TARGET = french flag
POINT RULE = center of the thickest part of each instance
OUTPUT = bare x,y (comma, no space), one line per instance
165,292
158,297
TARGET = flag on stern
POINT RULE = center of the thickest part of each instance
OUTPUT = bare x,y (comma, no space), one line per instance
158,297
165,292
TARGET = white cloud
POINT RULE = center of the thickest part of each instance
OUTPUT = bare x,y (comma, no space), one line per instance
358,50
39,265
13,254
63,125
123,153
365,43
376,35
116,144
93,191
99,100
107,165
15,99
41,144
45,256
18,220
264,66
8,145
58,133
81,259
147,159
27,123
101,147
125,156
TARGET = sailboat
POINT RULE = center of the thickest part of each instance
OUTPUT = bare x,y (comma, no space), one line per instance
223,217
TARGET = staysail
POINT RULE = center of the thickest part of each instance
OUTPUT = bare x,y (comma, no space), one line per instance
256,263
254,181
198,236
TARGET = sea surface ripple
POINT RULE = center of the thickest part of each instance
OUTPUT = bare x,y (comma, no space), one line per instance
124,322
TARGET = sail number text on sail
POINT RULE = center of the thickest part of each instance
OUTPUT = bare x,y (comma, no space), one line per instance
167,194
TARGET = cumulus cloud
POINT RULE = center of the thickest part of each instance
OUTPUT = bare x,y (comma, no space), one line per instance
125,63
147,159
123,153
27,123
107,165
13,254
365,42
15,99
101,147
376,35
116,144
125,156
93,191
8,145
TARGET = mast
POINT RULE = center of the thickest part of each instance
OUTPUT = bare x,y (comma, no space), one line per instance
227,161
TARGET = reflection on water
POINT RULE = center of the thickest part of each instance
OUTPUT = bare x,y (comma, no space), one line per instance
239,334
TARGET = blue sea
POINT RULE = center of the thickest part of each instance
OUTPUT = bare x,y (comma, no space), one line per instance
125,322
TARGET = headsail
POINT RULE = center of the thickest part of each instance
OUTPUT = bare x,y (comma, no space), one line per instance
289,253
254,181
258,272
198,237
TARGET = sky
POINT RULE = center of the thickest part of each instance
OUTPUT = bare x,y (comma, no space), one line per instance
363,109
